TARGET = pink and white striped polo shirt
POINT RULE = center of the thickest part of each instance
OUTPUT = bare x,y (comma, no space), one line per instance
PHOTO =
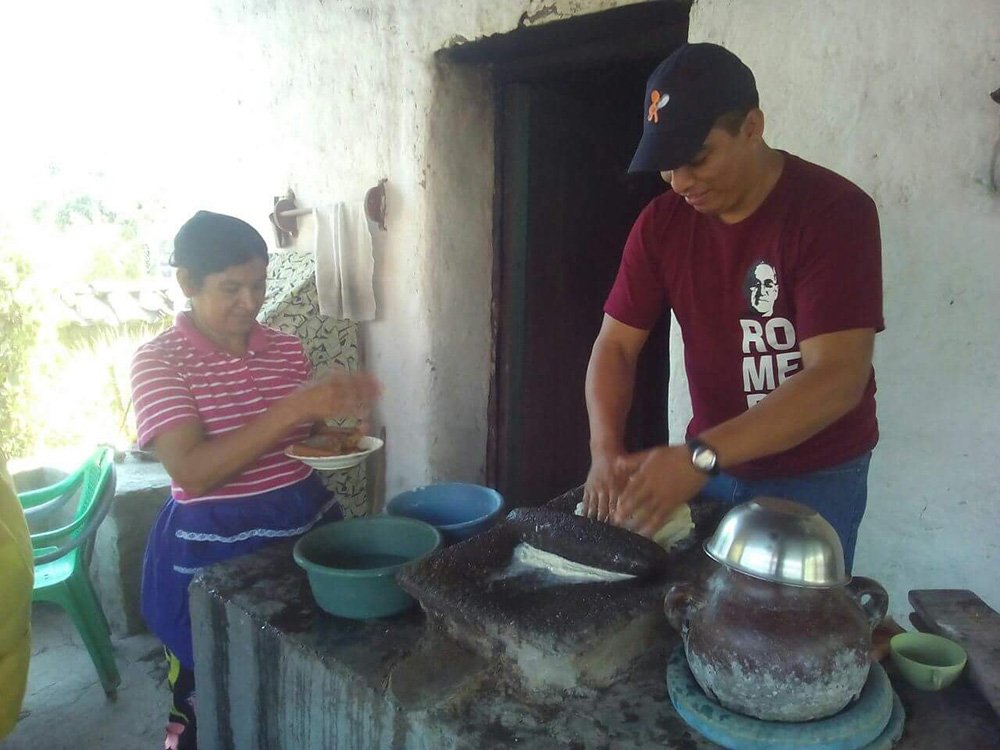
180,376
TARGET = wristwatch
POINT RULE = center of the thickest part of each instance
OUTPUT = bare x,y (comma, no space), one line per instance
703,457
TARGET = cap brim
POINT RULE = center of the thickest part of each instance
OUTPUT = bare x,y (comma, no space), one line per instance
661,152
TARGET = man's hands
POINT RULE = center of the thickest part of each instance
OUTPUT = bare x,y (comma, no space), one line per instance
604,485
657,482
640,491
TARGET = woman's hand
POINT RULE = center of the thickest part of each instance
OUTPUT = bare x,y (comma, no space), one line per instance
199,464
339,395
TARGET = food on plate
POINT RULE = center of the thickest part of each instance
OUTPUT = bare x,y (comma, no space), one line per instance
331,442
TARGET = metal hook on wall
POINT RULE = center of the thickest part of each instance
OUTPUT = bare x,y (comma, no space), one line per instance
375,204
284,217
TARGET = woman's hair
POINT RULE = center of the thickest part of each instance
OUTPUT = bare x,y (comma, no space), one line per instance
208,243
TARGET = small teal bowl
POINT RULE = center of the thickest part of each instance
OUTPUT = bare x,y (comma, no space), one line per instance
351,565
456,509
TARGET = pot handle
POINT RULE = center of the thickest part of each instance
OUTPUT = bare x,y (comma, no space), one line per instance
878,600
678,605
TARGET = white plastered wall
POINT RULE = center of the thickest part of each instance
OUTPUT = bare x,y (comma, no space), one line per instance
895,96
326,99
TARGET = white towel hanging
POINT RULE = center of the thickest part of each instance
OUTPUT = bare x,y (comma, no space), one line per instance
344,262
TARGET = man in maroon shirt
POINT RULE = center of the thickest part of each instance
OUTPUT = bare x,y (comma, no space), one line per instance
772,267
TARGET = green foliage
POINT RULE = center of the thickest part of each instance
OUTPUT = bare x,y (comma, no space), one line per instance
57,390
83,394
80,207
18,326
92,240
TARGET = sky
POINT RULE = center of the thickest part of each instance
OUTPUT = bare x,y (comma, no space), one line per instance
105,98
93,89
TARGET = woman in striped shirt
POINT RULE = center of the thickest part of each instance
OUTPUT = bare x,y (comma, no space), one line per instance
218,397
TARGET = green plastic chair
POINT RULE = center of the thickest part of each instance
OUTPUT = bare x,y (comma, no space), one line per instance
62,554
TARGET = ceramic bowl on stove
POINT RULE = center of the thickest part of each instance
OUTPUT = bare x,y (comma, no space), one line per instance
457,509
351,565
780,541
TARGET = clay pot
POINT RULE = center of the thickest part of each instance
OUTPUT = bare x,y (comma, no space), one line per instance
774,651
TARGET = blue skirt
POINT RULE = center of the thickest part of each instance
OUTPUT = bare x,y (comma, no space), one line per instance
188,536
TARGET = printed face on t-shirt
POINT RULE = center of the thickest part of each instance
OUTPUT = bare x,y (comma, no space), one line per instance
761,288
770,348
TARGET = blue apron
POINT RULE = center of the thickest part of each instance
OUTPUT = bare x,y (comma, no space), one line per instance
188,536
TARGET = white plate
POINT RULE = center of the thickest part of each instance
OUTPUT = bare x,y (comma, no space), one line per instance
337,463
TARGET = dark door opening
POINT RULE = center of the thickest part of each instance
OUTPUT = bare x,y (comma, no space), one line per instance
569,99
567,209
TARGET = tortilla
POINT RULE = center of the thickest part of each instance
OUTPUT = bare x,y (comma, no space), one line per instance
589,542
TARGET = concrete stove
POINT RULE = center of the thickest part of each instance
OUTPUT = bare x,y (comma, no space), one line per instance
563,639
274,672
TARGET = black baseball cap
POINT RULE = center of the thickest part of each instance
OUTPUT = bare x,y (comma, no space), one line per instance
685,95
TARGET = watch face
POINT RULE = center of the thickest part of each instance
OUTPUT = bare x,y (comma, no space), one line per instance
703,458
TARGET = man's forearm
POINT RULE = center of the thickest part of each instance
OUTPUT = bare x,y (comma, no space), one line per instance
795,411
609,387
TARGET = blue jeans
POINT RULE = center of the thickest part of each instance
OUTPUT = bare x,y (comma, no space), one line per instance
839,494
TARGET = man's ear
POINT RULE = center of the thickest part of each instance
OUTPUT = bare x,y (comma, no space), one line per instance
753,125
186,283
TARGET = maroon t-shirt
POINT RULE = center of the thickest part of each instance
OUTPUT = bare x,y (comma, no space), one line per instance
805,263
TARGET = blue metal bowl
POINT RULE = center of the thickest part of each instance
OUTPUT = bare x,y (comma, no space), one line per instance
456,509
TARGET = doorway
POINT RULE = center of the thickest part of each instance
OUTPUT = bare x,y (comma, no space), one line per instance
569,96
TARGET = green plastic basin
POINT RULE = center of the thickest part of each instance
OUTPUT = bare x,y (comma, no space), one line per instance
352,565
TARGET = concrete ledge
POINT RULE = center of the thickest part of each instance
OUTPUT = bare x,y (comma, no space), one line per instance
275,673
35,479
116,565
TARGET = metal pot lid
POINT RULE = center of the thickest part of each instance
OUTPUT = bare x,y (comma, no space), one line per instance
781,541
